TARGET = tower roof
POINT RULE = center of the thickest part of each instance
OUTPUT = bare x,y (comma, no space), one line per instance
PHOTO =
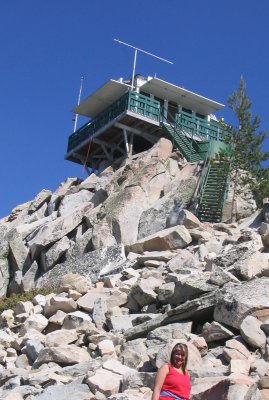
113,90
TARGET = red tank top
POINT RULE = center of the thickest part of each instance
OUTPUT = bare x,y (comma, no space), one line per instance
177,383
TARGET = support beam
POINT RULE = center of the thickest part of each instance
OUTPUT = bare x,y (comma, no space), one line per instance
109,156
151,138
109,145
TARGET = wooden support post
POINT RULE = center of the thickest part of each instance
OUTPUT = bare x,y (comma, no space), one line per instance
131,145
126,140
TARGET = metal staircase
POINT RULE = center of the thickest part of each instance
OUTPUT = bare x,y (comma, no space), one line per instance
192,147
213,191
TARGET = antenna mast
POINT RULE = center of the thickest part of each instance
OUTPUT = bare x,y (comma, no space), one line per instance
135,57
79,96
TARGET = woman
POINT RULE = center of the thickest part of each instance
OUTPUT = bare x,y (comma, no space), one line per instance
172,380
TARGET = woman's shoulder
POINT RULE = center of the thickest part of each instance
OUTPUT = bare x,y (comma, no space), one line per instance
165,367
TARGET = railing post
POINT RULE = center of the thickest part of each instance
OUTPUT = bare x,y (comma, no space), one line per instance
191,146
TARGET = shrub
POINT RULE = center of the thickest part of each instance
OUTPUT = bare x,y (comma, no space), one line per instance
10,302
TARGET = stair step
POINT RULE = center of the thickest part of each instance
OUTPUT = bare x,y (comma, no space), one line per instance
212,195
183,143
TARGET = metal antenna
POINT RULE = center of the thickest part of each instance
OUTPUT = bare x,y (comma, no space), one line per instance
79,96
135,57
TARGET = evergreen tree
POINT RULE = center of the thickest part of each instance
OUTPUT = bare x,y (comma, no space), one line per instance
245,154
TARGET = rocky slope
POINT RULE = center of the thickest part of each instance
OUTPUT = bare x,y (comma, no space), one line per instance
131,272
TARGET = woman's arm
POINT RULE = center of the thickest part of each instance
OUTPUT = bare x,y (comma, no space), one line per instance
159,380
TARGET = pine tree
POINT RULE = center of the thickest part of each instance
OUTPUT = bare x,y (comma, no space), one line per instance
245,154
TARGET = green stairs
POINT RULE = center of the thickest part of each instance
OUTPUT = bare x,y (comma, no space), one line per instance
212,194
191,149
213,191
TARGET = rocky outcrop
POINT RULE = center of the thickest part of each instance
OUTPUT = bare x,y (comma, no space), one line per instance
131,271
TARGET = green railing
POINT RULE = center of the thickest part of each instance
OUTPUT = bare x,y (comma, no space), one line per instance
200,127
87,130
150,108
192,149
144,105
131,101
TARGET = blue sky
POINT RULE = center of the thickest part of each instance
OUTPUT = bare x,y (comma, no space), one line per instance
46,46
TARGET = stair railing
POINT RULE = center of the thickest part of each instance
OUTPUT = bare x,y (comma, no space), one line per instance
164,118
204,181
225,194
199,185
174,127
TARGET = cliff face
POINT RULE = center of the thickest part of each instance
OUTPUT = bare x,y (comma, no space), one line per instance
132,271
80,220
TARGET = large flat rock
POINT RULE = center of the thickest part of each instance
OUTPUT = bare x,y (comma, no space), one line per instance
173,238
88,265
235,302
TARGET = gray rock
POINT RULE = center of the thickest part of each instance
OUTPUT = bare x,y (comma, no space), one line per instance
61,337
164,334
71,201
77,320
56,303
51,256
190,287
63,392
4,276
32,348
165,211
135,380
234,303
186,218
29,278
210,388
219,276
53,231
212,332
76,282
188,310
65,355
91,264
105,382
4,266
227,258
252,264
265,326
182,261
81,369
99,311
61,191
173,238
41,198
19,256
251,332
144,291
235,350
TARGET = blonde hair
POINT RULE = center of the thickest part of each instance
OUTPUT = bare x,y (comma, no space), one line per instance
184,348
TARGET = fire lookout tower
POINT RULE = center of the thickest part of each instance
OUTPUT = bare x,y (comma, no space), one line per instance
128,117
